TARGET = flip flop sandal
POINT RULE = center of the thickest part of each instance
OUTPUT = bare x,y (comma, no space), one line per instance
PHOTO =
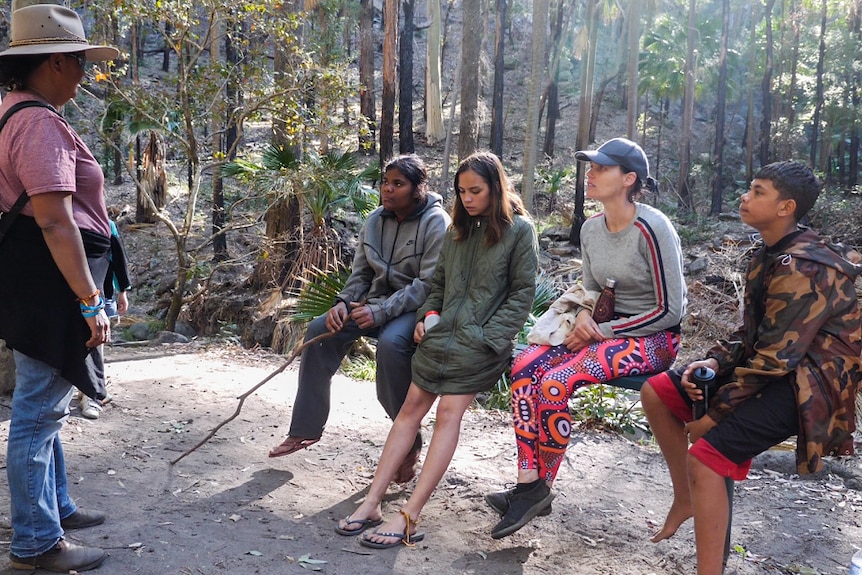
407,538
363,525
292,445
403,538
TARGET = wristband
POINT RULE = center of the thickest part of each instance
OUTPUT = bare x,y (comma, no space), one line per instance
84,300
100,305
88,314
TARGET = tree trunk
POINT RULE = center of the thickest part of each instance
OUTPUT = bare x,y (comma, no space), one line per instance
855,99
749,121
434,130
115,132
447,147
790,98
558,32
367,133
283,217
405,86
166,51
496,143
584,107
471,47
537,77
390,57
766,88
684,184
633,17
152,192
818,98
720,105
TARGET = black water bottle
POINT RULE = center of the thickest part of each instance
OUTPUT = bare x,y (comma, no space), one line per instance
702,377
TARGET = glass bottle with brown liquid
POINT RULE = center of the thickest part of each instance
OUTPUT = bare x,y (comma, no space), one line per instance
604,309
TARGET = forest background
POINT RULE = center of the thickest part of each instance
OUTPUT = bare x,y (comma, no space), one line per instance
240,142
251,130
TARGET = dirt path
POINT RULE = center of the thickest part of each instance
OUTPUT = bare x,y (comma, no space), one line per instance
227,508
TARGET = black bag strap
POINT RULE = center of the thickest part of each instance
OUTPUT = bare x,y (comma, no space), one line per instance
7,219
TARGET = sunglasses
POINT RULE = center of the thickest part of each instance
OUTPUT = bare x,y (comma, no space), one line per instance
79,57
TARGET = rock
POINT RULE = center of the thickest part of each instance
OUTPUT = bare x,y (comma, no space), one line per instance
7,370
139,331
170,337
698,265
557,234
563,251
185,329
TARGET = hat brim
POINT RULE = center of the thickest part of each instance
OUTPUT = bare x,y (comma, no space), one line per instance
597,157
93,53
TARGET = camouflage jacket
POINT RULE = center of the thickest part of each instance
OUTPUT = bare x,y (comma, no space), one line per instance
801,319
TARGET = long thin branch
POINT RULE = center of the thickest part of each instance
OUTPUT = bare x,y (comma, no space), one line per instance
293,355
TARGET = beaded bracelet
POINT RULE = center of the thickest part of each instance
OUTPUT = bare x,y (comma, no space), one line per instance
92,295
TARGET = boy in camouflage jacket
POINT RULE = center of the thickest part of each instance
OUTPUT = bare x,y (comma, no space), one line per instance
793,368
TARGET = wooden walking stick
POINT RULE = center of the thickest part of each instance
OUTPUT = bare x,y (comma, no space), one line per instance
293,355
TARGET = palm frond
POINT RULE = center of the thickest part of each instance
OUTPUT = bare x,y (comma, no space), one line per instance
278,158
317,294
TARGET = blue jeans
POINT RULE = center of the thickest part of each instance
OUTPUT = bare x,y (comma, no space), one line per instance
35,465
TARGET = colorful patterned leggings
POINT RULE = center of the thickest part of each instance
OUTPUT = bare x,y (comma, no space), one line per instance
544,377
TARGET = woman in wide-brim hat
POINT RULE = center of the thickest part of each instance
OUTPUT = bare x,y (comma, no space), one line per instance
54,256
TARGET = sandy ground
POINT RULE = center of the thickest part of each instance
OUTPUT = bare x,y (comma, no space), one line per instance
227,508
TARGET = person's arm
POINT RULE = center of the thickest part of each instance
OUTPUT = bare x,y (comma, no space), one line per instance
122,302
413,295
53,214
119,262
509,318
796,309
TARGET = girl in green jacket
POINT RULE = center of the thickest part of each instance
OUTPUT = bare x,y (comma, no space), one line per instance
482,289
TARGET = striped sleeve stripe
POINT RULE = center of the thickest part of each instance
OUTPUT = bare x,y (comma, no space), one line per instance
658,271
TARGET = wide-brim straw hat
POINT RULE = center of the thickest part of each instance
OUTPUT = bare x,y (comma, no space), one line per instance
52,29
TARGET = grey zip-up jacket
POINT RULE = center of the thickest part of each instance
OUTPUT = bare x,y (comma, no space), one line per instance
395,261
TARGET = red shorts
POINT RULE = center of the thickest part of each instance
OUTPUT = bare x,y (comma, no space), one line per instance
757,424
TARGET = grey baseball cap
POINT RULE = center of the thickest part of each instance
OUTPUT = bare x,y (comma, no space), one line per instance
619,152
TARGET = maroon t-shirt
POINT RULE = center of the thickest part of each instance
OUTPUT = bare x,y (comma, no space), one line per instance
41,153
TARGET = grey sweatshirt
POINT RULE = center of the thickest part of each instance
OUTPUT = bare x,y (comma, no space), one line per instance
395,261
646,260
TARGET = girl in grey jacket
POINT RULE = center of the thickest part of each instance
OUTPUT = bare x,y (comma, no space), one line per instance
483,288
391,275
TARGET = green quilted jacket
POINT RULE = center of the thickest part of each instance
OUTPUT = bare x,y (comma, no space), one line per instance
483,295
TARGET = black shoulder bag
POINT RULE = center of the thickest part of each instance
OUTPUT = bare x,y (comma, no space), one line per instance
8,218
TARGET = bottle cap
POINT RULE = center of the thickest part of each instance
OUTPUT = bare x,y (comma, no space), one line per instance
432,312
610,282
702,374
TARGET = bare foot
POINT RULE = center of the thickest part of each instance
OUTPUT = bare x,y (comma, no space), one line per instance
679,513
365,511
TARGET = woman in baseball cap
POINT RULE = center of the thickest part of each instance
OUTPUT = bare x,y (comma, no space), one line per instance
54,250
634,248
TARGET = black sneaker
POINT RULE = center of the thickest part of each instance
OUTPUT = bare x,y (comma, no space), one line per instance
499,502
522,508
61,558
